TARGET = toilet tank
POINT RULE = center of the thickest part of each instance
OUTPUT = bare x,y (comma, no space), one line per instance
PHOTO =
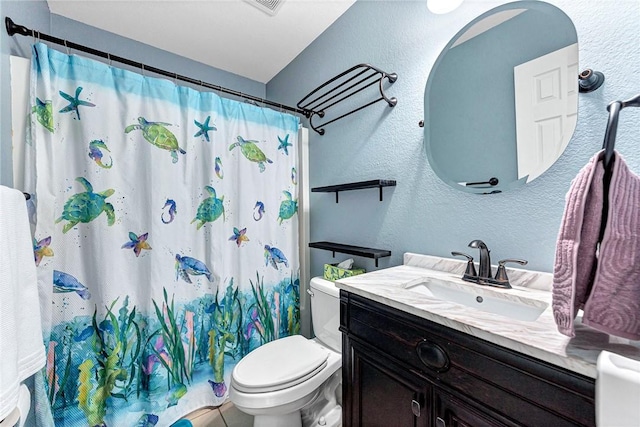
325,312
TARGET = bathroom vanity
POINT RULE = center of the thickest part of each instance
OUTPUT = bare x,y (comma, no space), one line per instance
411,358
409,371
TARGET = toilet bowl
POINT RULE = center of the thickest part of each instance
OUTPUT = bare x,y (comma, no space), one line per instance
295,381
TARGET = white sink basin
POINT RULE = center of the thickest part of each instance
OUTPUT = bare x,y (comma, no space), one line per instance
506,303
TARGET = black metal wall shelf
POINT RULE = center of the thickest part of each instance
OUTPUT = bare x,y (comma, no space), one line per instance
343,86
351,250
375,183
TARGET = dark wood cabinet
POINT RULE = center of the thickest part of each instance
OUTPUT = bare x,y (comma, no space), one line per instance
402,370
385,395
452,412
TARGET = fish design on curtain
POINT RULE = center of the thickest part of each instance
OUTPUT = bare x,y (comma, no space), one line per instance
166,238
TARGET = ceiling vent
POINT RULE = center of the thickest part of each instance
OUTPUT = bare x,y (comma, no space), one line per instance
270,7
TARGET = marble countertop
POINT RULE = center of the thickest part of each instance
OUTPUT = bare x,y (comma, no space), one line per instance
539,338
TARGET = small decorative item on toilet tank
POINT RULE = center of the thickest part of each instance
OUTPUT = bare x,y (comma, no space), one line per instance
340,271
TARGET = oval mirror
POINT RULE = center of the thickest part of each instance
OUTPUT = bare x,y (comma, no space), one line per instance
501,100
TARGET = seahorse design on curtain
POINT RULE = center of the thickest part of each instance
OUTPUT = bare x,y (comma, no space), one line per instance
159,273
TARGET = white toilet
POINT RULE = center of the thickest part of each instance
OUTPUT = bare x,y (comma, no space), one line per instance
294,381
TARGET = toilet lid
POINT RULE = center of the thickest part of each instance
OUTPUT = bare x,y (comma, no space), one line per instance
279,364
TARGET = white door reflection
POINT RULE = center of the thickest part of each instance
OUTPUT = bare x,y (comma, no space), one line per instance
546,89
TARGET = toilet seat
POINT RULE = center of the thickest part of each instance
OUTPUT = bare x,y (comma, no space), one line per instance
279,364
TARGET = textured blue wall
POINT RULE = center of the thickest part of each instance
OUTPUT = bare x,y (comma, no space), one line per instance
35,15
422,214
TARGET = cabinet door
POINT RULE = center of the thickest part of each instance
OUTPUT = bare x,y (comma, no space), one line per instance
384,395
453,412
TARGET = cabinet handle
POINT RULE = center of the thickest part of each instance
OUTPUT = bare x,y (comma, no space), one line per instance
440,422
415,408
433,356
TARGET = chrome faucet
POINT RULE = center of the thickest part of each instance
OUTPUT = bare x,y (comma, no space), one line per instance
484,269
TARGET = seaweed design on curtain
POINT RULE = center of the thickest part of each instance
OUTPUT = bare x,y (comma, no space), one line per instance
166,239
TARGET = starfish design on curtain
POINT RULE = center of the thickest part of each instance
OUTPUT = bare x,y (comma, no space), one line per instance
239,236
204,128
41,249
284,144
74,102
137,243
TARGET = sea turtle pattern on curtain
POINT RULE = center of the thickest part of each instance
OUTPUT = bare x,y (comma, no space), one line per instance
166,240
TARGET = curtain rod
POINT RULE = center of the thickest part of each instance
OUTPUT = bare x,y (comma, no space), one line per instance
13,28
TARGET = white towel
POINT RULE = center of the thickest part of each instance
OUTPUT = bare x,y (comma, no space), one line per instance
617,391
18,417
21,345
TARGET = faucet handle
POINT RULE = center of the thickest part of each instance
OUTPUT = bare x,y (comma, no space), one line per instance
470,271
501,274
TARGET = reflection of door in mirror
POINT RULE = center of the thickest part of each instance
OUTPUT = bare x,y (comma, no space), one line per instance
546,109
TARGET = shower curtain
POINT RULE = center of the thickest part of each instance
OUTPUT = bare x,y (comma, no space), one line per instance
166,240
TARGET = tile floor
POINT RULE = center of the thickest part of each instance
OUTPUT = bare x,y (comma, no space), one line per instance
226,415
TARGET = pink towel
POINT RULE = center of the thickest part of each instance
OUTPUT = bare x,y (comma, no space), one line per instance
605,285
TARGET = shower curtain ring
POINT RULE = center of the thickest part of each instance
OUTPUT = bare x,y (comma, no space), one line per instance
109,58
65,44
142,66
175,79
